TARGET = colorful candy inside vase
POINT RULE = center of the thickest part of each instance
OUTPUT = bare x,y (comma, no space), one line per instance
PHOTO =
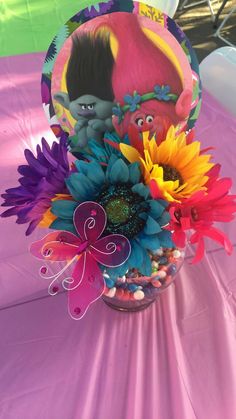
133,291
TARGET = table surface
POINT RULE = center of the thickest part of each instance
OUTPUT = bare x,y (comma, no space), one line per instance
176,360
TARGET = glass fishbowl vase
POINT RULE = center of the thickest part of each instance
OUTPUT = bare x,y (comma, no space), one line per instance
135,292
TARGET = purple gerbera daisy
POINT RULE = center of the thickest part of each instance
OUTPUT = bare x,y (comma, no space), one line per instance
42,179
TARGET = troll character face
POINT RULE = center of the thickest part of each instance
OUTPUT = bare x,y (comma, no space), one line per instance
138,78
154,115
90,95
143,120
86,107
148,87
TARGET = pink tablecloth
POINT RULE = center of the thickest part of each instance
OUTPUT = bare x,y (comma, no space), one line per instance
176,360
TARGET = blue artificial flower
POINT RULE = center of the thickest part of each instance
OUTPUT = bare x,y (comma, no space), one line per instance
101,152
129,207
133,101
162,92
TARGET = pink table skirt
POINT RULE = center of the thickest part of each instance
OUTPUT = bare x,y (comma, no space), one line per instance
176,360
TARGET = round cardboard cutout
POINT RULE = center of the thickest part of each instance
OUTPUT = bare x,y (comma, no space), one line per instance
117,64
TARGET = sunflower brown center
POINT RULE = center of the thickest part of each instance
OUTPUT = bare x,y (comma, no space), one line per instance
170,173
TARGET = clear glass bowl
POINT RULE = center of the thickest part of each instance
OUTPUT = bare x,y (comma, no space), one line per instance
134,292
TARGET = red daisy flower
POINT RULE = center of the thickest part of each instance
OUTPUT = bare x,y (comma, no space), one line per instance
199,212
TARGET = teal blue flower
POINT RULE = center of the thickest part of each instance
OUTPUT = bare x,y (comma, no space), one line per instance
101,152
129,207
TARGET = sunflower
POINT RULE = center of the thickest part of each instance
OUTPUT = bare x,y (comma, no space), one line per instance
174,169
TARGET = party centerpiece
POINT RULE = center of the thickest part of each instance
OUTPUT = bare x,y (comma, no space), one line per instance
122,215
126,185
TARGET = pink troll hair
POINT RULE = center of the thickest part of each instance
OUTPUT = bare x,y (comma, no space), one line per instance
139,66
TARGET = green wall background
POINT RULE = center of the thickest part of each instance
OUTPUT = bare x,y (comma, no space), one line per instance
28,26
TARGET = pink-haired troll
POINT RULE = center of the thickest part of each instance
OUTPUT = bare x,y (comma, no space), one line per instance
147,87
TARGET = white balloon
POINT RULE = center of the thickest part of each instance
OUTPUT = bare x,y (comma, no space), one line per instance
217,73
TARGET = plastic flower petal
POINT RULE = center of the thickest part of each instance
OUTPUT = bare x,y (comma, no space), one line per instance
200,212
42,181
173,169
130,210
101,152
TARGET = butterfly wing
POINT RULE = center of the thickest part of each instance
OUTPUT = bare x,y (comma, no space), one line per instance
112,250
56,246
90,221
87,287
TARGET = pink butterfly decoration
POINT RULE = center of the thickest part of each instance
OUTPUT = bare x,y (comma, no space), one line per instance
86,283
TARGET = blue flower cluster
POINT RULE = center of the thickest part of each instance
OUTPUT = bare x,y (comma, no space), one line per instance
93,181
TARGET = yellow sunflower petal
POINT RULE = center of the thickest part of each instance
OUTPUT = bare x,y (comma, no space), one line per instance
185,155
183,158
196,170
152,147
171,133
164,152
47,219
157,172
181,139
148,160
130,153
145,136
